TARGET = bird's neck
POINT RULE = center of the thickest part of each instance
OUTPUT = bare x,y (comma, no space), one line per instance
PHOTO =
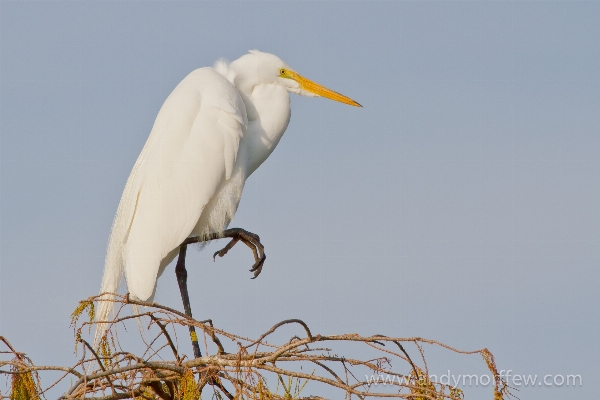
268,110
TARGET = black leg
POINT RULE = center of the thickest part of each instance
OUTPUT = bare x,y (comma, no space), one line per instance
181,273
236,235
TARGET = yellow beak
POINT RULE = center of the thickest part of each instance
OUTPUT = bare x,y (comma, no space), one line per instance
319,90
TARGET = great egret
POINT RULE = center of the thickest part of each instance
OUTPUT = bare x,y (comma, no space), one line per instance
213,131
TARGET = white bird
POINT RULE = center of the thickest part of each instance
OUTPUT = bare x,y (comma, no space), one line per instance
213,131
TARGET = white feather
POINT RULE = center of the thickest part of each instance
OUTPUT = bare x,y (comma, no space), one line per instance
191,151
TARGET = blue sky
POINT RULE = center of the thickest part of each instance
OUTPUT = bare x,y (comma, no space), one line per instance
460,204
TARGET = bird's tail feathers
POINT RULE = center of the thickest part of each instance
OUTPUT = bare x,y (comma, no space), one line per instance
113,274
110,285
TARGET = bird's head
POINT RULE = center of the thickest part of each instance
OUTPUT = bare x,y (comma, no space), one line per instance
265,68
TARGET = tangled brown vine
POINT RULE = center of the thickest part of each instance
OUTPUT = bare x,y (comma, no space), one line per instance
243,368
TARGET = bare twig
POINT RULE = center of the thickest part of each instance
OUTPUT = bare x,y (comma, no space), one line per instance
162,374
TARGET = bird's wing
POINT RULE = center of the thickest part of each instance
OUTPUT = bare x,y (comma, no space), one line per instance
191,150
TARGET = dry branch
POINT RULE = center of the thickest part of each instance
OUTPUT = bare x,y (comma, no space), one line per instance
247,369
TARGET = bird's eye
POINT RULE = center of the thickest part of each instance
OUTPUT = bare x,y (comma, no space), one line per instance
282,71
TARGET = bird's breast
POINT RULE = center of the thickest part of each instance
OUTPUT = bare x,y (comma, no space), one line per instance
269,115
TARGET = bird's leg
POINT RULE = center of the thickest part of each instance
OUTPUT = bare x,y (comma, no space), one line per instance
181,273
237,235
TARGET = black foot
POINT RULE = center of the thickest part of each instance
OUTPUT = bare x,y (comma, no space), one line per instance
249,239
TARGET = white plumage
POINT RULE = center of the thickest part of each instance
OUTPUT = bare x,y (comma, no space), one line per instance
216,127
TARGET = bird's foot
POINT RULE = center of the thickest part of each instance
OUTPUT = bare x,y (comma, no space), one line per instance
249,239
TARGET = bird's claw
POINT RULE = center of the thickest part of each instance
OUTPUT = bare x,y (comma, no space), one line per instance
251,240
219,253
257,267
